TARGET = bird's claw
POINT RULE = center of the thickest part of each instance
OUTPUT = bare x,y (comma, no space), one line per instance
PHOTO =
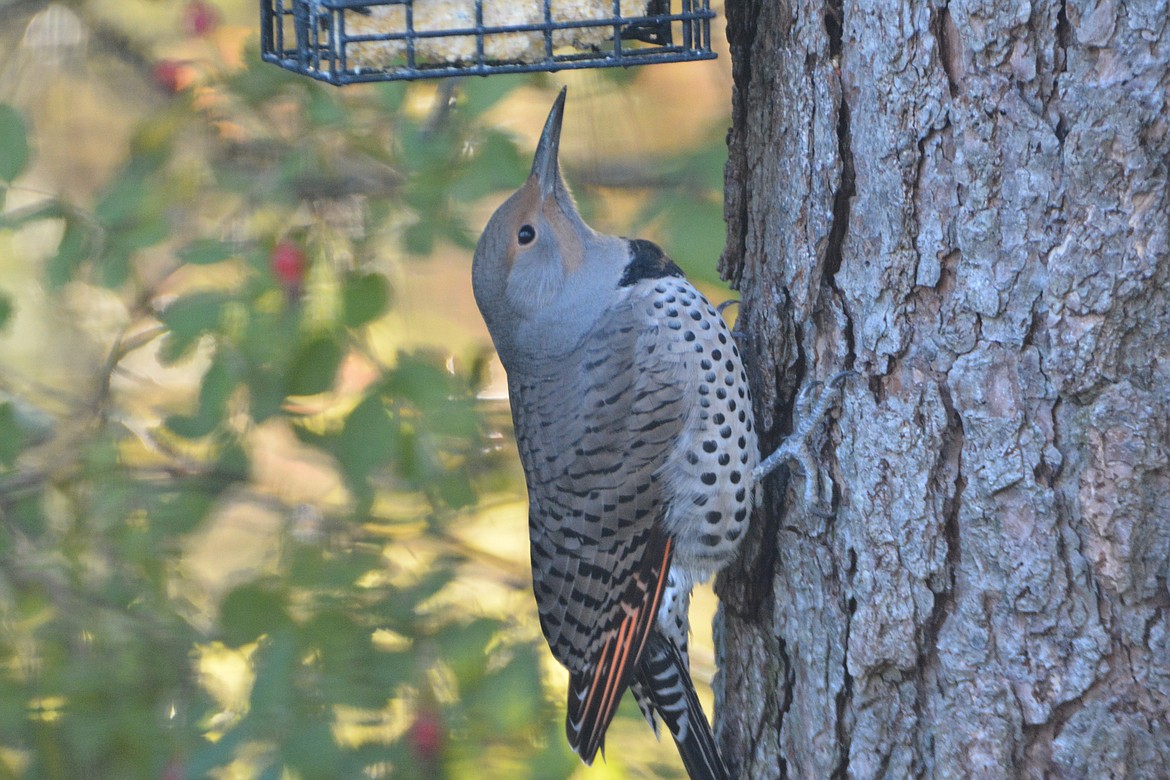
806,439
727,303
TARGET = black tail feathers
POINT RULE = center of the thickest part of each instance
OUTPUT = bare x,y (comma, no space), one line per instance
663,678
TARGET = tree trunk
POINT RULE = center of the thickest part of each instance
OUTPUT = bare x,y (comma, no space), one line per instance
966,203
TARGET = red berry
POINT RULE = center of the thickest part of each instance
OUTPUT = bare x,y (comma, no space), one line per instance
288,263
168,74
426,736
200,18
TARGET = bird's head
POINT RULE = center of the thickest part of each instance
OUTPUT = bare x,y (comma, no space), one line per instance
538,267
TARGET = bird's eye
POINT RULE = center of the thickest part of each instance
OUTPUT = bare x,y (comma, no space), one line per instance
526,234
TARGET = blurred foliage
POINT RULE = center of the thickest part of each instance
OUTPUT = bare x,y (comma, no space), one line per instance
241,235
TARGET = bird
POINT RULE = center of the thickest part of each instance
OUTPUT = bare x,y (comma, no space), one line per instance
634,425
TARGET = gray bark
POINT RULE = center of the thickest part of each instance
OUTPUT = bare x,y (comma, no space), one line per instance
967,203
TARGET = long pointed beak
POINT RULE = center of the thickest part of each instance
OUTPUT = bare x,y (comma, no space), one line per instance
545,166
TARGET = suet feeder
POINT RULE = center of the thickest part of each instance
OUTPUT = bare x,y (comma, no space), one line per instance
347,41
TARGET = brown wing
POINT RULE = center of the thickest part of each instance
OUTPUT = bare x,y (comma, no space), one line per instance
594,695
594,429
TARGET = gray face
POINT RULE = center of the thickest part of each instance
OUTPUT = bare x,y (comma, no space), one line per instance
540,273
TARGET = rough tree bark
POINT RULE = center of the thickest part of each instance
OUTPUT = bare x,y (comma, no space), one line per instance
967,203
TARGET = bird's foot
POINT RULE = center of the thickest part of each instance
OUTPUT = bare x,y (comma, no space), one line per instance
726,304
738,335
806,439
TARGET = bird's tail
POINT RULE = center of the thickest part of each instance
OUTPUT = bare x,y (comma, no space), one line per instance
665,681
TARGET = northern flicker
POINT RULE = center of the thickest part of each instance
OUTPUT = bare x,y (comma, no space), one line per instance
634,424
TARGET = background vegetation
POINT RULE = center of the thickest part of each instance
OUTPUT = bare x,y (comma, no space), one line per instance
260,514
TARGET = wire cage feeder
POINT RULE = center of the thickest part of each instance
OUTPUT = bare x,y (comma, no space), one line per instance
348,41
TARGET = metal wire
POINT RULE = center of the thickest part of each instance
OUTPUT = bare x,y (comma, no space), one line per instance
314,37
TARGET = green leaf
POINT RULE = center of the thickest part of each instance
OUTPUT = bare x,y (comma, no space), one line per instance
207,755
346,657
5,309
77,245
114,267
440,576
250,611
457,233
13,143
273,771
218,383
232,461
422,380
144,231
368,439
464,648
455,489
181,512
187,319
189,426
311,750
124,198
323,570
34,425
206,251
510,698
314,366
124,241
26,514
365,298
419,238
274,691
266,392
11,439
